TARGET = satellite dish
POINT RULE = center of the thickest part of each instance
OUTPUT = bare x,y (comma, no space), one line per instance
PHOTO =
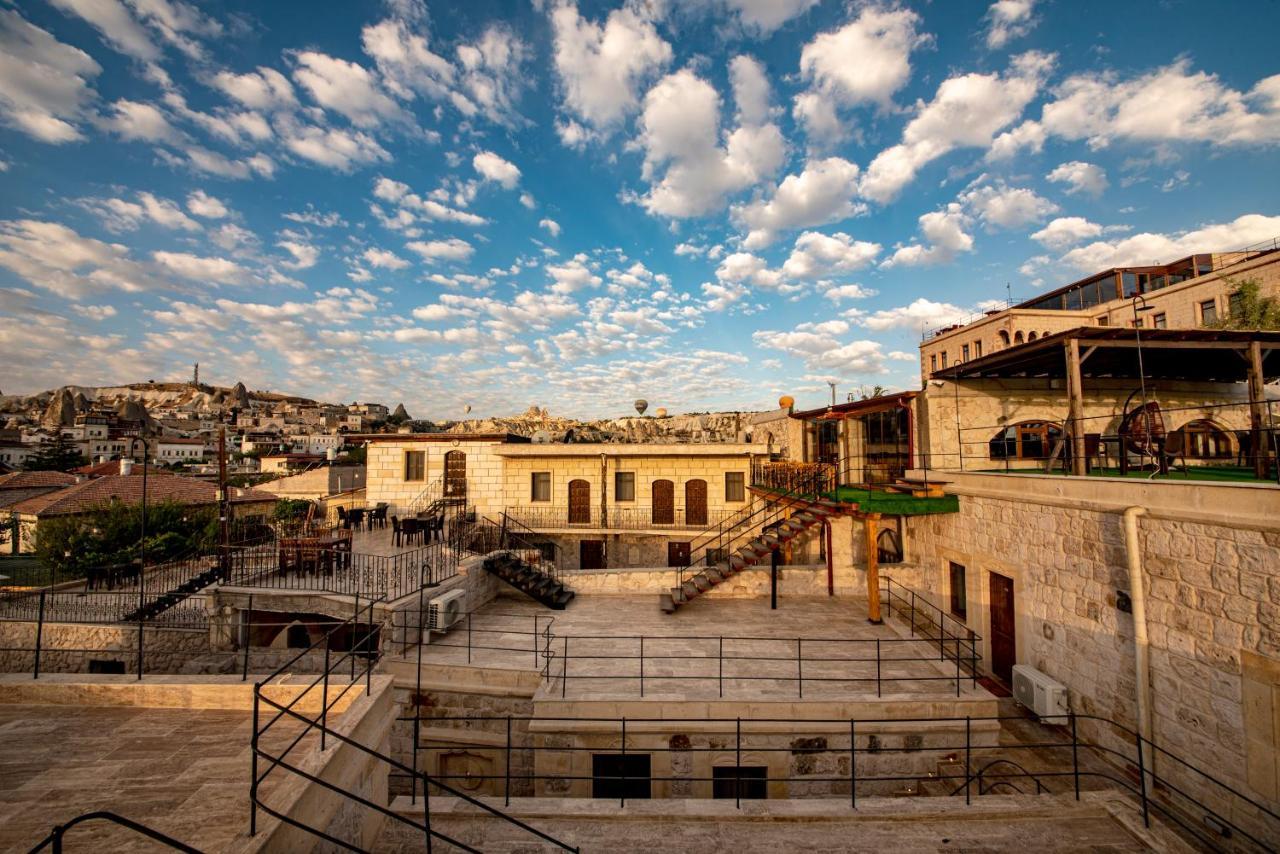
466,409
661,413
642,405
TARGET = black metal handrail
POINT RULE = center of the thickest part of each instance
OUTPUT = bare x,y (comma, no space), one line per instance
1151,790
950,629
55,837
1018,772
342,571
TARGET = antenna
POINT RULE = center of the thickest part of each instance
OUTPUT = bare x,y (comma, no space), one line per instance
1008,293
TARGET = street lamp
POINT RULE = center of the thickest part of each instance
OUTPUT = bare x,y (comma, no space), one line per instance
142,539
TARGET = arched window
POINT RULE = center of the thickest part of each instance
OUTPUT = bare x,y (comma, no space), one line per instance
1028,440
1004,338
1017,337
1032,337
1044,334
1202,440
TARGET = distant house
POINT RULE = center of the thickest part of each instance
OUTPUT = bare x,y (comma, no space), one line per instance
89,495
289,463
178,450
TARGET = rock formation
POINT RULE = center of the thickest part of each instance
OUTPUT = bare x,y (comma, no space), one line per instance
61,411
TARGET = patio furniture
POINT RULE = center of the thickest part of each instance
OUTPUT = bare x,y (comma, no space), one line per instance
395,531
378,517
344,521
357,516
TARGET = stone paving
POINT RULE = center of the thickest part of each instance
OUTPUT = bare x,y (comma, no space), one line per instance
184,772
683,652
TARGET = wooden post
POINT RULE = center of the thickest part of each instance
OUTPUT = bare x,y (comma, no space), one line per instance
1256,395
869,524
1075,408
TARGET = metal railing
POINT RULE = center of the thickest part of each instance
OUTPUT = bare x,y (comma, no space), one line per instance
342,571
56,838
360,662
630,518
925,617
1219,812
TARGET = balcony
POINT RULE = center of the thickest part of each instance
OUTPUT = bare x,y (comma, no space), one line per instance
639,518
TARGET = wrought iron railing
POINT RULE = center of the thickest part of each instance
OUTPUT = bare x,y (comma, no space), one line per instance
630,518
342,571
56,840
795,479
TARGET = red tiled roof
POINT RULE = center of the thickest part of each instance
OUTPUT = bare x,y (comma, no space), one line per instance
112,467
83,497
28,479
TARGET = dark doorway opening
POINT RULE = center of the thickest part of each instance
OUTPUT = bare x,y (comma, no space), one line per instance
1004,647
620,775
591,554
746,781
677,554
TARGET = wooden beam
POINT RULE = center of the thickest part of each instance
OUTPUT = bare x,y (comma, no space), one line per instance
1256,394
1084,357
1075,407
869,525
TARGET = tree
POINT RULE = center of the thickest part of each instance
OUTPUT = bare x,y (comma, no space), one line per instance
110,534
290,514
875,391
1249,309
58,454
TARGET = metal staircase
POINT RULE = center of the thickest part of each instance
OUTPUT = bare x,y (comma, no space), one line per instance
521,562
529,579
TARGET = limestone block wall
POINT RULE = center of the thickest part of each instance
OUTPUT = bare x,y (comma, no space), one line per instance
69,647
385,472
1212,580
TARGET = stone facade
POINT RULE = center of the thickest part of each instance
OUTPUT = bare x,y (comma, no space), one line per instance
69,647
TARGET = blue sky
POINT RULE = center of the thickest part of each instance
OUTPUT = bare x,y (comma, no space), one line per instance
706,203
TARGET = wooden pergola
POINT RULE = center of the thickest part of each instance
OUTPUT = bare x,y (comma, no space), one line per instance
1167,355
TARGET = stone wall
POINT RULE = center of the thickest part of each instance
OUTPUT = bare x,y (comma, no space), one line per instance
1211,555
69,647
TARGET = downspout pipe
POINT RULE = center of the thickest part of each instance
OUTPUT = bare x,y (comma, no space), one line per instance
1141,643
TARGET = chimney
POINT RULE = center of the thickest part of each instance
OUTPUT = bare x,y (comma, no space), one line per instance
126,467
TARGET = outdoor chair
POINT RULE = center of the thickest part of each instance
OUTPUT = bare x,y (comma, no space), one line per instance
378,517
395,531
344,521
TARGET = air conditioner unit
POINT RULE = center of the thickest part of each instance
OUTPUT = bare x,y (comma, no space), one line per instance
1040,693
444,611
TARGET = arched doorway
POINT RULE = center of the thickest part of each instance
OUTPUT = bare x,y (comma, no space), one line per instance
1017,337
664,502
1027,440
579,502
455,474
1202,439
1004,339
695,502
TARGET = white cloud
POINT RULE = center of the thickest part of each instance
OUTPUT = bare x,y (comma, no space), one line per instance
122,215
335,147
54,257
837,293
945,237
451,249
1080,177
864,62
967,111
528,201
764,16
134,120
826,191
407,64
202,204
264,89
552,227
384,258
199,268
1029,135
304,255
166,213
44,84
921,314
491,75
601,67
1006,207
494,168
1170,104
1066,231
1149,248
816,255
95,312
118,27
311,216
819,346
1008,20
572,276
346,88
680,134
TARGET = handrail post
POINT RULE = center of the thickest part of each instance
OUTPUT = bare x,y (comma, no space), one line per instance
426,812
623,800
642,665
721,673
913,613
253,767
1075,755
355,631
535,640
324,702
564,671
957,665
247,625
468,638
506,791
968,760
140,652
800,667
853,763
737,763
39,636
1142,782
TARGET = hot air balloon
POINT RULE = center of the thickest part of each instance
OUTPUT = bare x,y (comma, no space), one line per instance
466,409
661,413
642,405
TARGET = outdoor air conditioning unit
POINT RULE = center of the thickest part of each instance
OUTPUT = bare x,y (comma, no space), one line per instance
444,611
1040,693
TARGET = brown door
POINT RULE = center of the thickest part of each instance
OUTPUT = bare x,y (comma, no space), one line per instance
1004,648
579,502
677,554
591,554
695,502
455,474
664,502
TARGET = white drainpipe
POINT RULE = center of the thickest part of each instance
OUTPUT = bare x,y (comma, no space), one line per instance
1141,645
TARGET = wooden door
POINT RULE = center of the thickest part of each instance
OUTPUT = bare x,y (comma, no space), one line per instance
1004,648
664,502
677,554
695,503
579,502
455,474
591,554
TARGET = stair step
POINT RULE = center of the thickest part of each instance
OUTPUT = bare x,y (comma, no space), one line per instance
713,575
702,583
677,595
666,603
691,590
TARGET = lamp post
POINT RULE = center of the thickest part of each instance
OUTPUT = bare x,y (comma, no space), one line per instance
142,539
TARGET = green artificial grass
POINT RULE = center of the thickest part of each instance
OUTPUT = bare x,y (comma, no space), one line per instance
1228,474
893,503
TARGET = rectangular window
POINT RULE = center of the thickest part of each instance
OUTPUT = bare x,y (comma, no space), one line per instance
1137,323
618,775
978,345
964,352
1208,312
415,465
540,486
944,360
1159,321
1235,304
624,486
735,486
959,604
740,781
933,362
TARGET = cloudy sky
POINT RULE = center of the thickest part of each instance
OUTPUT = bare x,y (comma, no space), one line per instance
706,203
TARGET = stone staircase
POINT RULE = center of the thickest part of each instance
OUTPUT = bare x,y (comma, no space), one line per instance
529,579
756,550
